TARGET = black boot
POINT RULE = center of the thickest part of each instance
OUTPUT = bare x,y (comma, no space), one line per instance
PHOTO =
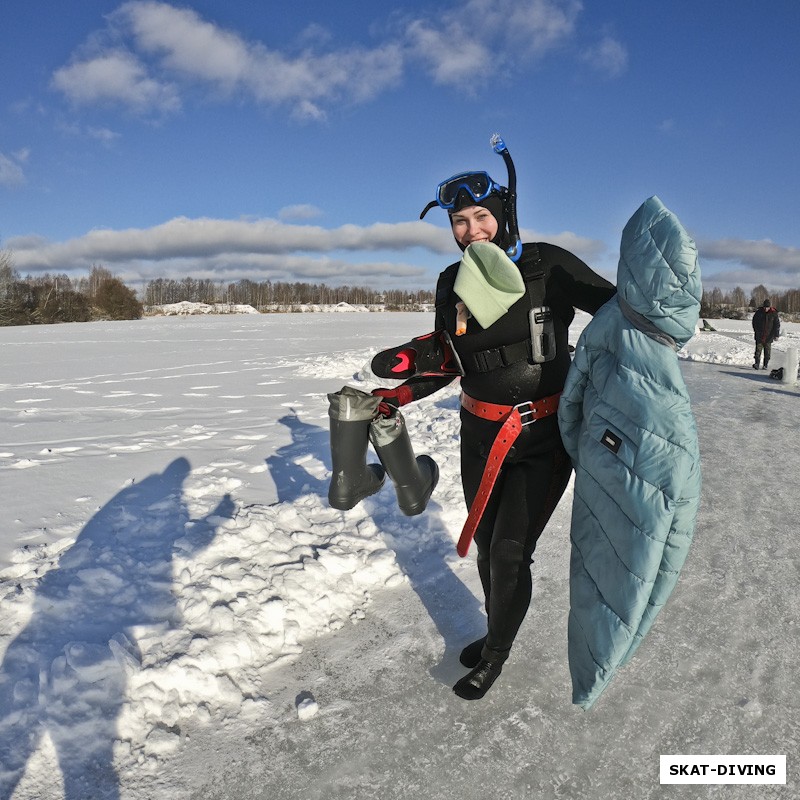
471,655
351,412
475,684
414,478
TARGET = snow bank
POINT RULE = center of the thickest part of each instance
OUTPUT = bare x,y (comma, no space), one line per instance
186,309
160,618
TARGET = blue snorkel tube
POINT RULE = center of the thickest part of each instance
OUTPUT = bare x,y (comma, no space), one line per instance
510,197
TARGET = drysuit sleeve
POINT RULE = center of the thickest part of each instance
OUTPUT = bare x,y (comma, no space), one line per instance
414,388
419,386
578,284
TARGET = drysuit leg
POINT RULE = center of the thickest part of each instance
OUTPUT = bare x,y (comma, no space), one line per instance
524,498
522,502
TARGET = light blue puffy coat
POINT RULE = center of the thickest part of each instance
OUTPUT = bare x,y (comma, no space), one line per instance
627,424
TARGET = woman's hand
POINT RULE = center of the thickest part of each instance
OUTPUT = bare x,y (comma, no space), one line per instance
392,399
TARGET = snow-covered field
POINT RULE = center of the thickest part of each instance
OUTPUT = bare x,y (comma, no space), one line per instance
183,616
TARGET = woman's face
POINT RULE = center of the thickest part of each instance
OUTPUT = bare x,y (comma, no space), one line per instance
473,224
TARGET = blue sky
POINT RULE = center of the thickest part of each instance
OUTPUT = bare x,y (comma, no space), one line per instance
300,141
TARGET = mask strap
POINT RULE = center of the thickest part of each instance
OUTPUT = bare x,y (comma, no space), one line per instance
428,207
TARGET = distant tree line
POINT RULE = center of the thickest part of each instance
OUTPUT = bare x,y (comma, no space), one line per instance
267,295
737,304
59,298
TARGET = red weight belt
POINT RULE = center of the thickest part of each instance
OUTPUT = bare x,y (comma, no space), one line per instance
514,419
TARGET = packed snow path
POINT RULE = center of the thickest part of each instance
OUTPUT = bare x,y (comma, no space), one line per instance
184,617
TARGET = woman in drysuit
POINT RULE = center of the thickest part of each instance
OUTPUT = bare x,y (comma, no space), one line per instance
502,319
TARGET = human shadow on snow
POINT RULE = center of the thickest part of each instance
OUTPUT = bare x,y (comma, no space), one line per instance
65,673
421,543
291,479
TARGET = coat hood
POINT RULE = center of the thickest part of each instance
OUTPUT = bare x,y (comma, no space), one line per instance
658,273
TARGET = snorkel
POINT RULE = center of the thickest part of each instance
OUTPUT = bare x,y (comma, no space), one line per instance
509,197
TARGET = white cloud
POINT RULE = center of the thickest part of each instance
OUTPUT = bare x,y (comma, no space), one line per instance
187,43
306,111
261,267
202,51
315,34
453,56
153,51
748,263
260,249
11,173
170,48
761,255
115,77
209,240
298,212
666,125
608,56
590,250
480,38
540,24
103,135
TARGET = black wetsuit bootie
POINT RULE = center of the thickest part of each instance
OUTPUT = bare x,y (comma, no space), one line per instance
471,654
475,684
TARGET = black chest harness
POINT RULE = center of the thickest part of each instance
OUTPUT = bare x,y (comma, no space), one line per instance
539,347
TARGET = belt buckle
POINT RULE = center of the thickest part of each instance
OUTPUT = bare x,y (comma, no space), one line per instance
529,413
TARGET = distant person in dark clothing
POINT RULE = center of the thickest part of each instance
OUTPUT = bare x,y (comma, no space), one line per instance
766,328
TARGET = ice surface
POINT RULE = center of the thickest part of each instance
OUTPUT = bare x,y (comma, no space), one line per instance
185,617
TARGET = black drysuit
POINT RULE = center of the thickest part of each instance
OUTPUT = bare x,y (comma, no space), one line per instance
536,471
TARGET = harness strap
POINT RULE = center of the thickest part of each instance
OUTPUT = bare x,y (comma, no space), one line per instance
515,418
487,360
543,407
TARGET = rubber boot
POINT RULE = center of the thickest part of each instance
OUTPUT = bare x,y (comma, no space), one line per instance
351,411
414,479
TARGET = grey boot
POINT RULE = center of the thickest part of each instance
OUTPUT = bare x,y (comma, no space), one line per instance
351,412
414,478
